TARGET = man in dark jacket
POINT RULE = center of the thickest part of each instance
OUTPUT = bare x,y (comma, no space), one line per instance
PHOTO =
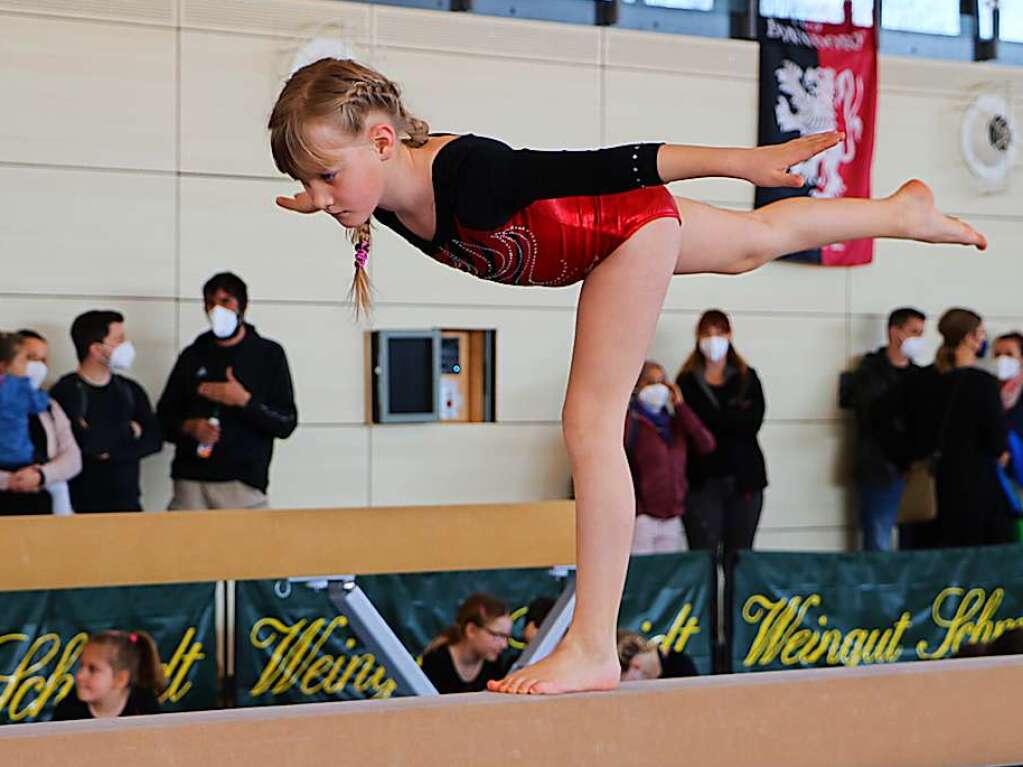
111,418
229,396
880,474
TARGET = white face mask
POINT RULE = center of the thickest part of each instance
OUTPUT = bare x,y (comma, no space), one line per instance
123,356
1007,367
714,348
654,397
36,372
223,321
912,347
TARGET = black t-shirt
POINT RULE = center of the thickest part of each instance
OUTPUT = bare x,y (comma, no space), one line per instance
140,702
439,667
101,419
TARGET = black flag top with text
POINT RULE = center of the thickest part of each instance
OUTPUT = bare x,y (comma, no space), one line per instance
816,78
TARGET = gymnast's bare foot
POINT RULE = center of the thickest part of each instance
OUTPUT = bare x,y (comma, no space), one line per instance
570,668
922,221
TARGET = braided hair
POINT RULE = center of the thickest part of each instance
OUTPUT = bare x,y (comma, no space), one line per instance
344,92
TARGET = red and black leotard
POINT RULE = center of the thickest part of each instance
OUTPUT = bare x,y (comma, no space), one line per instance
527,217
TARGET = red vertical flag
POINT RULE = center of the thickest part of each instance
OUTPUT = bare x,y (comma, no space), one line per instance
816,78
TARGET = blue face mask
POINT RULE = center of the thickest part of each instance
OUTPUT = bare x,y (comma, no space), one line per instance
982,351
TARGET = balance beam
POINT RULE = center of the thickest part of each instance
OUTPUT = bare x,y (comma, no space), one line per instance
921,714
193,546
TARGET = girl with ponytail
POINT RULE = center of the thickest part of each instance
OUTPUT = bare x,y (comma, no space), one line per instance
465,656
957,414
119,674
963,340
604,217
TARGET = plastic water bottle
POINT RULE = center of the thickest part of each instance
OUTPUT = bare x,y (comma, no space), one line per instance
206,450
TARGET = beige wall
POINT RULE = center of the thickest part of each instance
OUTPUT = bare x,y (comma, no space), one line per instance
134,163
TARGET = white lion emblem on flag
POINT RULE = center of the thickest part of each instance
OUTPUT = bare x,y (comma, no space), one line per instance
811,103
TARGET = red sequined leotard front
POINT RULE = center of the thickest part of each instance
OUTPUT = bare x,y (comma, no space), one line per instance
523,217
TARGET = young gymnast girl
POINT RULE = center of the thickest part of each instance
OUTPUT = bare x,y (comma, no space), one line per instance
527,217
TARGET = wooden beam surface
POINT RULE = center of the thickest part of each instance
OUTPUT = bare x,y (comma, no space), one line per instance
922,714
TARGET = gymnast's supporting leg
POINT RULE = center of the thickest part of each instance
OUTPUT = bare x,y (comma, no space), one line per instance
617,315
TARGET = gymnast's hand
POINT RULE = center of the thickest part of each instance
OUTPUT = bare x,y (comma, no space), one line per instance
769,165
300,203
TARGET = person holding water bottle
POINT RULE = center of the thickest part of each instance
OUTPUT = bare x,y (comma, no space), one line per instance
228,397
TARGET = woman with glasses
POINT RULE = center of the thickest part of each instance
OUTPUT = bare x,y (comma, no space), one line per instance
465,656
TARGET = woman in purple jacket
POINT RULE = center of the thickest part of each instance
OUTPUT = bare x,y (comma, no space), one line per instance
659,430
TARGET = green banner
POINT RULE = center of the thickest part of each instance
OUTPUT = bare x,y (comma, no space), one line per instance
667,598
802,610
293,646
42,633
418,607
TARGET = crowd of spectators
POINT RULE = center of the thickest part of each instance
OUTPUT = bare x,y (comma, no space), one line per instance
78,448
951,429
944,436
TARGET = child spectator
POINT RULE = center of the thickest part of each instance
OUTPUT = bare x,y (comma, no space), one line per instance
42,487
535,615
640,658
119,674
18,400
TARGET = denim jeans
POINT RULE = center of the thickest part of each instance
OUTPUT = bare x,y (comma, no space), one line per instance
879,511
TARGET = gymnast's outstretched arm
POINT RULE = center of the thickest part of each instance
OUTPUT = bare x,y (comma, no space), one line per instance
766,166
493,180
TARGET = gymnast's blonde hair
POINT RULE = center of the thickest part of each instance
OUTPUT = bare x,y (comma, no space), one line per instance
343,92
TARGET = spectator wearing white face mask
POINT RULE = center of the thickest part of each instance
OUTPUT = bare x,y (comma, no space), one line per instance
228,398
42,487
19,400
880,426
1008,353
111,417
726,485
659,430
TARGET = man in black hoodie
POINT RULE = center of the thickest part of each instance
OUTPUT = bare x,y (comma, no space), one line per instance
880,426
227,399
